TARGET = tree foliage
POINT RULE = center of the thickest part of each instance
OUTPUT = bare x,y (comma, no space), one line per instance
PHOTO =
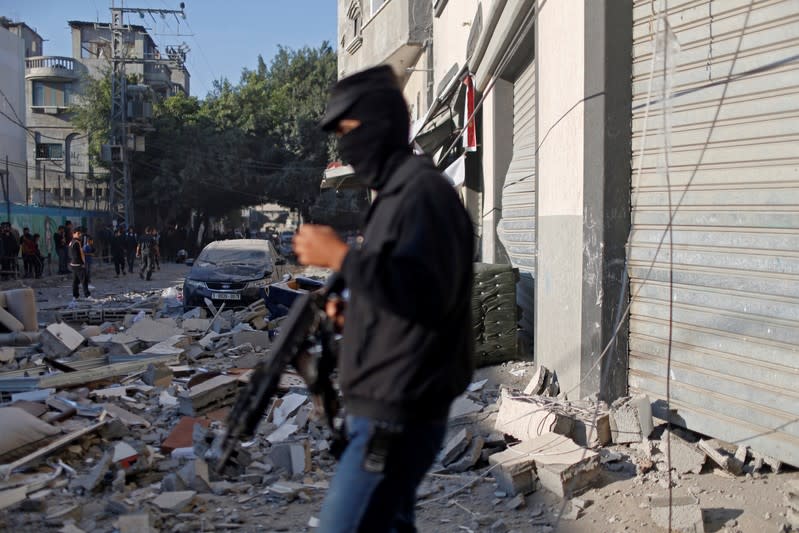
244,144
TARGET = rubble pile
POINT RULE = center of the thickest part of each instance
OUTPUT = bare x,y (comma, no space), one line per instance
108,415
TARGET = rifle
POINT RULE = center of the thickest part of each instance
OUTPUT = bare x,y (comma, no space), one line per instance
306,326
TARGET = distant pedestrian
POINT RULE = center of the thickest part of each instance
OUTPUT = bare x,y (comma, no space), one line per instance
131,242
60,244
38,263
77,263
147,250
88,253
118,251
28,248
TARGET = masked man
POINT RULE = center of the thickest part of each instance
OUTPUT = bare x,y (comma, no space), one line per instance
407,343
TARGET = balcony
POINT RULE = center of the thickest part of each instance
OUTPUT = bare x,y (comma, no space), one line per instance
54,68
393,34
157,75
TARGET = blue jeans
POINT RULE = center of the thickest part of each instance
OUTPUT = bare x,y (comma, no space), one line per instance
364,498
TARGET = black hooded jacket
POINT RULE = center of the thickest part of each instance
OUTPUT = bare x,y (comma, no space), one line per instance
407,348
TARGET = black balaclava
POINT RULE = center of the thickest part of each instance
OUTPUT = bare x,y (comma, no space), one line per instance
383,132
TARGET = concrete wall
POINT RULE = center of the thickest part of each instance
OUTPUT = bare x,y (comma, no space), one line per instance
12,136
450,35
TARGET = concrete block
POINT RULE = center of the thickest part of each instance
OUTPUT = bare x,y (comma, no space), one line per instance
721,458
258,339
196,325
591,424
212,394
91,331
514,469
456,445
288,405
94,479
135,523
631,420
741,454
293,457
175,502
562,466
686,515
469,457
149,330
526,417
125,454
538,383
195,476
685,457
60,340
158,375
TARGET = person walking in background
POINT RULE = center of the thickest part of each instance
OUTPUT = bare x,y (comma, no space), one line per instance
60,244
147,250
10,250
118,251
88,253
38,258
77,263
157,242
131,243
28,248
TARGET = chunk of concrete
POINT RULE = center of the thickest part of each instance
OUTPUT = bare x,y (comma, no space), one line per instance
456,445
195,475
96,476
631,420
527,417
158,375
149,330
686,515
177,502
539,381
196,325
125,454
60,340
289,404
469,457
563,467
721,458
685,457
293,457
135,523
514,469
258,339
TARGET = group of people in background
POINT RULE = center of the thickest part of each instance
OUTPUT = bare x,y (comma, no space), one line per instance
12,244
127,246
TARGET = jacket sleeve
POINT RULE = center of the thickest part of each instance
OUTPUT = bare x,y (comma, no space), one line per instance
411,271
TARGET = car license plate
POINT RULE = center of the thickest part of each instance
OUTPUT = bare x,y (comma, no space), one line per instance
225,296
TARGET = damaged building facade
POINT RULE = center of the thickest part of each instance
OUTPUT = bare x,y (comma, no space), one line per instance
635,162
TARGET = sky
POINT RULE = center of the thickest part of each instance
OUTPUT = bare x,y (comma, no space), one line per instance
224,36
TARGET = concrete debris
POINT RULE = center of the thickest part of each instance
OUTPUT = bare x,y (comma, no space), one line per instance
456,446
686,515
562,466
293,457
215,393
514,469
727,462
527,417
631,419
60,340
470,457
135,523
685,457
176,502
792,500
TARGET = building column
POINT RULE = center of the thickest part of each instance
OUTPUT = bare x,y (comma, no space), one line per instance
584,50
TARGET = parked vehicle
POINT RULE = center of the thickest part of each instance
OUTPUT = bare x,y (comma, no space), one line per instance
233,272
286,247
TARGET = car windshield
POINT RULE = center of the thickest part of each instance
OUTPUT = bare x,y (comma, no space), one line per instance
222,256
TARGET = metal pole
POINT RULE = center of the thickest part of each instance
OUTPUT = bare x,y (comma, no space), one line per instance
27,188
60,203
44,185
8,192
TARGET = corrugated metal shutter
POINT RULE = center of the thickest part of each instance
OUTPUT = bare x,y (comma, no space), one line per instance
735,155
516,229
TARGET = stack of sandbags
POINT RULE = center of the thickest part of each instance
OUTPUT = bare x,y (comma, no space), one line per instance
494,313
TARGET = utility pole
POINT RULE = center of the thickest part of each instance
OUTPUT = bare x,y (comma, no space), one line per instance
117,152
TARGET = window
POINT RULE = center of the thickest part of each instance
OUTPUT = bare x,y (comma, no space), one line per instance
354,25
67,193
52,94
89,193
49,151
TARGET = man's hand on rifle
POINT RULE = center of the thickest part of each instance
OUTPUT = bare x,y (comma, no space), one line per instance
319,246
334,307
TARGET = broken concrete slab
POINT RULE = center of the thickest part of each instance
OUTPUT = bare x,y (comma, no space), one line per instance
158,375
176,502
288,405
195,475
538,383
526,417
96,476
456,445
463,406
258,339
686,515
469,457
128,418
12,496
196,325
563,467
282,433
135,523
60,340
293,457
685,457
631,419
124,454
217,392
149,330
514,469
721,458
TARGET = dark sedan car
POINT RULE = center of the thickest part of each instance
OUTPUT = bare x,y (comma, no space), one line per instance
233,272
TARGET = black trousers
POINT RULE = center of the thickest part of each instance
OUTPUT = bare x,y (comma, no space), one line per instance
79,277
119,264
